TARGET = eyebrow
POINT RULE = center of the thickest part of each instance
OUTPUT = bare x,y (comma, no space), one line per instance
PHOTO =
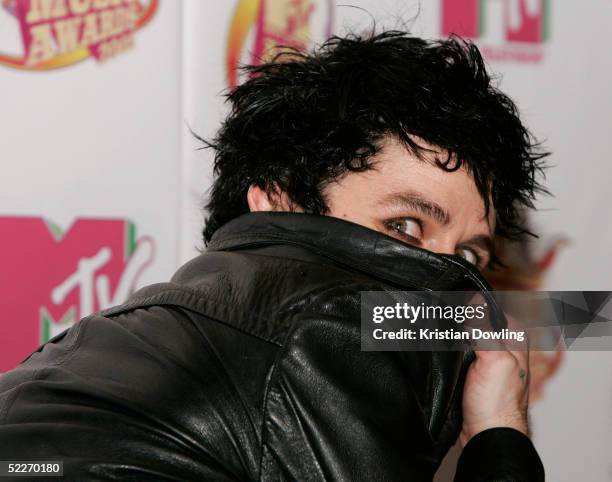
416,201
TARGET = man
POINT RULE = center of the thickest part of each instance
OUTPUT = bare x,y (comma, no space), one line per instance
378,163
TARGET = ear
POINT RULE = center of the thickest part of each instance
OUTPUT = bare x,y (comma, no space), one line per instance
260,200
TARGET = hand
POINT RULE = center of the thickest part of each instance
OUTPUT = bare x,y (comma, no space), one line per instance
496,392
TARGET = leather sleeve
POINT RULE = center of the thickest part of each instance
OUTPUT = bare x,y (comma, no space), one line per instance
336,413
113,399
499,455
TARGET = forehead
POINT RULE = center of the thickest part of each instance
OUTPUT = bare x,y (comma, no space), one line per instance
397,170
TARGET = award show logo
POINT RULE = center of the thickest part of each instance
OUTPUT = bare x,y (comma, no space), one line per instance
52,278
58,33
259,26
519,37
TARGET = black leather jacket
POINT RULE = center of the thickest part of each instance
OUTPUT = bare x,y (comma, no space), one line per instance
247,366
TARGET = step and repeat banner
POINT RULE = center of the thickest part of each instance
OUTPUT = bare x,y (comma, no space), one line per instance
90,144
102,184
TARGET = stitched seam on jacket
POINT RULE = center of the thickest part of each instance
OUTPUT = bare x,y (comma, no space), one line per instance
69,353
4,415
154,300
283,350
273,374
219,360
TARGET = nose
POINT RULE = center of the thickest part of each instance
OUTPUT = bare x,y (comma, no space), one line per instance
442,245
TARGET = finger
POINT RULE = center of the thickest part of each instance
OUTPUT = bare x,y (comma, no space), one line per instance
484,336
518,340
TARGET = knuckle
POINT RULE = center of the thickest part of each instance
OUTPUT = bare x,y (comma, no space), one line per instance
506,360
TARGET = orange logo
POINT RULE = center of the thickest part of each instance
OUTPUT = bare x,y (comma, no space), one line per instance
58,33
259,27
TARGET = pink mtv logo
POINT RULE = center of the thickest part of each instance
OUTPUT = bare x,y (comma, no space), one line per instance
524,20
291,31
50,279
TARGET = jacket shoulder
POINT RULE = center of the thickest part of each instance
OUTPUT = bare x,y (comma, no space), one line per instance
252,292
148,373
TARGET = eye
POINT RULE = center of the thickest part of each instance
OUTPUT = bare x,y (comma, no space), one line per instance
469,255
408,227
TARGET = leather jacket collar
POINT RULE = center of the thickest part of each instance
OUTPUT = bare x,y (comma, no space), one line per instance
353,245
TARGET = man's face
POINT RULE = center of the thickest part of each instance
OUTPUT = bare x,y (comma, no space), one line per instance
418,203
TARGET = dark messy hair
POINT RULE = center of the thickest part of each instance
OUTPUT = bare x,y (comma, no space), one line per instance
304,119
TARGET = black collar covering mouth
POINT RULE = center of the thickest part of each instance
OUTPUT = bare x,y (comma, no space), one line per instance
360,248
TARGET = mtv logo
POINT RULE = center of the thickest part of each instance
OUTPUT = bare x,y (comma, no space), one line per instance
50,279
524,20
262,29
281,22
